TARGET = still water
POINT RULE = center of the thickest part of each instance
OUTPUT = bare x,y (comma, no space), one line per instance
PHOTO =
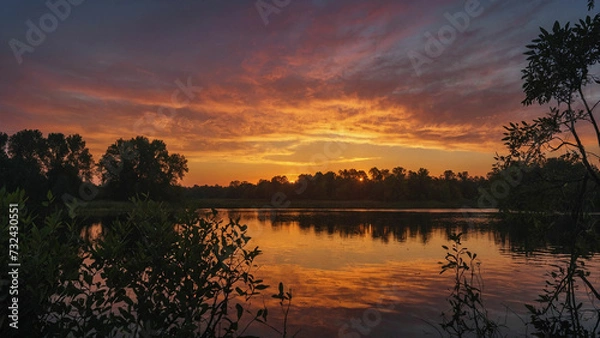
362,273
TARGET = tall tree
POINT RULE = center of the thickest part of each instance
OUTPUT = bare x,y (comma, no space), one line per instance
559,70
29,146
68,162
140,166
69,153
36,164
26,152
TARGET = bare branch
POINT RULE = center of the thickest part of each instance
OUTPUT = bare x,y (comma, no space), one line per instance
590,115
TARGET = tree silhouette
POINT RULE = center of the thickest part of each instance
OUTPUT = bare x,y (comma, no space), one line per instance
559,70
138,166
29,147
68,163
352,184
37,164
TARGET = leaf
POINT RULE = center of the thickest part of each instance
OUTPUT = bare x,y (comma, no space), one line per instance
240,310
531,308
556,26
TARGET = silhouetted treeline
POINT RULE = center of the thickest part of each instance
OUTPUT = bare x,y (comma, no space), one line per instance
64,166
39,164
556,184
386,185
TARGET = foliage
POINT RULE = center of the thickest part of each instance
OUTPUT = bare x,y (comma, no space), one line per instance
560,65
48,277
285,301
140,166
559,68
561,313
468,314
153,273
190,274
32,162
60,163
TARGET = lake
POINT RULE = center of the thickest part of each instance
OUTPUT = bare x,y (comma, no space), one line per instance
364,273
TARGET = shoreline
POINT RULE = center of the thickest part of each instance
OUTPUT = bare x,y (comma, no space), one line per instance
111,207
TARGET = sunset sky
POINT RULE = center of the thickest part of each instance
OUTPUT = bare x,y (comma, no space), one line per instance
303,86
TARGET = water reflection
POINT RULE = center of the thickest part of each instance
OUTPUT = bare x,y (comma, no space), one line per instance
381,225
342,262
376,273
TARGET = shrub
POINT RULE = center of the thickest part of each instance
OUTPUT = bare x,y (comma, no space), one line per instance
156,272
